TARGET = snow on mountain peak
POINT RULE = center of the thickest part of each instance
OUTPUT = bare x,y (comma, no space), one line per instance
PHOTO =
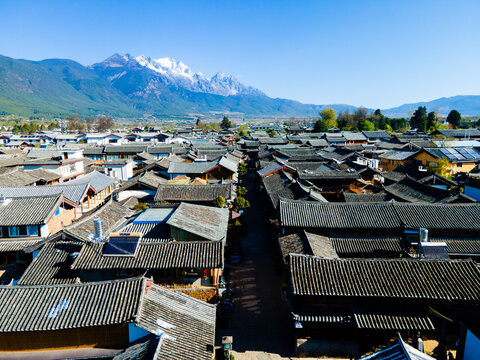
178,74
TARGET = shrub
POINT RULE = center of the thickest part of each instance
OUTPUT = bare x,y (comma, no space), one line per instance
140,207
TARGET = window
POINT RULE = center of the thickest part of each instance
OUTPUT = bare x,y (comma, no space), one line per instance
22,230
32,230
72,167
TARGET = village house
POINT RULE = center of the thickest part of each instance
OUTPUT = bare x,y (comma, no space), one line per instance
461,160
73,321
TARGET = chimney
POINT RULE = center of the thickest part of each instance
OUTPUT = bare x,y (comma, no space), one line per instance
98,224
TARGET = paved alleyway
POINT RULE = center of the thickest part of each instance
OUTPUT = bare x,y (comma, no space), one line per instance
260,319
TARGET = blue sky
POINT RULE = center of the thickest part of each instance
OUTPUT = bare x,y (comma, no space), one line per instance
373,53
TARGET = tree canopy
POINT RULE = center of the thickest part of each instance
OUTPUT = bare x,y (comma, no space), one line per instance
320,126
419,119
454,118
226,123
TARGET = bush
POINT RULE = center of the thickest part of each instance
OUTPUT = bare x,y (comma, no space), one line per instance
140,207
241,190
242,169
219,202
240,203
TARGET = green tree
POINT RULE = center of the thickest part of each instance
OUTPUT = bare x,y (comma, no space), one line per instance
226,123
242,169
241,190
367,125
381,120
431,120
320,126
219,202
440,167
419,119
454,118
329,116
240,203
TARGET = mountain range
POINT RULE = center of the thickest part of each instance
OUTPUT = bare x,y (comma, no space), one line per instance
138,86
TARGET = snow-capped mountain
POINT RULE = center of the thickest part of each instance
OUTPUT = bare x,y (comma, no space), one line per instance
157,73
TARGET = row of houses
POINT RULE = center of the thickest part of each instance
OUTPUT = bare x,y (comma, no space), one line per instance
379,261
86,273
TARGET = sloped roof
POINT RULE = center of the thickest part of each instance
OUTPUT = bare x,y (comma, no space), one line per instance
205,221
96,180
337,215
111,213
392,278
361,198
379,215
56,307
398,155
72,193
378,134
192,334
171,192
197,167
29,211
52,265
154,254
399,351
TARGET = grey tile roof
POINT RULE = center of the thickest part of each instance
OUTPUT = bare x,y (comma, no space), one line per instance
328,174
379,215
16,176
42,174
52,265
154,255
460,246
205,221
142,349
170,192
151,179
13,244
40,153
393,278
113,214
361,198
463,133
365,246
55,307
228,164
295,243
129,149
386,318
353,136
29,211
413,191
72,193
278,186
198,167
439,216
379,134
193,324
317,142
338,215
398,155
97,181
321,245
